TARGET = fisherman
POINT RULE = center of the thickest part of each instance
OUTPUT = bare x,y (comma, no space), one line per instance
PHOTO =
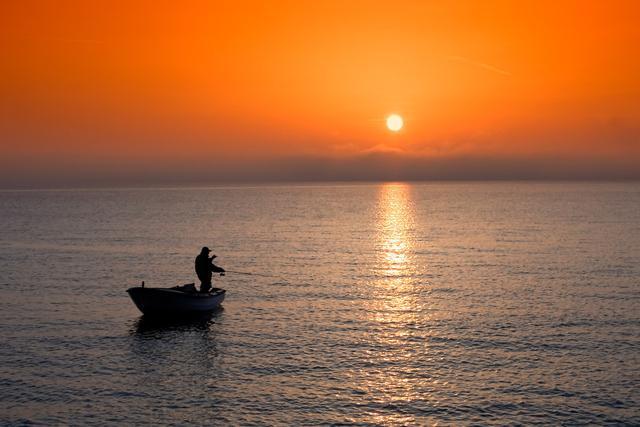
204,269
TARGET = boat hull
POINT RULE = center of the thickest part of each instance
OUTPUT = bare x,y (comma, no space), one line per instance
164,301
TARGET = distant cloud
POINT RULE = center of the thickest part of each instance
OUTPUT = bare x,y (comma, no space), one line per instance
382,148
479,64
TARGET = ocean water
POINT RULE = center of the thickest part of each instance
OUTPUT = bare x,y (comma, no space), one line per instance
380,304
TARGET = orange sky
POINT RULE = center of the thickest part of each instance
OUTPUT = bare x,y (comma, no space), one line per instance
172,87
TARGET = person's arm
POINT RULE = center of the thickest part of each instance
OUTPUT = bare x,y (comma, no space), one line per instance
217,269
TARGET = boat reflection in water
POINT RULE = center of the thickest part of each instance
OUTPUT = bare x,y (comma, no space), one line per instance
166,351
149,325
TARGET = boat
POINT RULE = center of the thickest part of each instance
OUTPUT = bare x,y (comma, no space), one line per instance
179,300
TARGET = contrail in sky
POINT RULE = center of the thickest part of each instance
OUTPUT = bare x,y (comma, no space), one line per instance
479,64
83,41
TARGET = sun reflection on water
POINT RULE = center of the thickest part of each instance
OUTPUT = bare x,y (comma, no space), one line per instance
398,306
395,225
395,271
396,221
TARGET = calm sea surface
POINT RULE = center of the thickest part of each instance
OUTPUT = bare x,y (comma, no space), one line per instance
390,304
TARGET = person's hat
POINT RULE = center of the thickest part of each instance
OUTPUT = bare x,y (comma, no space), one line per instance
205,249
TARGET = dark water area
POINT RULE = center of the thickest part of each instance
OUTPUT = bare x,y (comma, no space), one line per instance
381,304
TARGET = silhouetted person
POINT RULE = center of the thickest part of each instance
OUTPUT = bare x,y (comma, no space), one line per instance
205,268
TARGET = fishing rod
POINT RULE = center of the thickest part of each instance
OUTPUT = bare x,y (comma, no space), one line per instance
256,274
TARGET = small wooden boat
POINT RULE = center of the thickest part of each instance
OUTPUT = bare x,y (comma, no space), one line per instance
175,301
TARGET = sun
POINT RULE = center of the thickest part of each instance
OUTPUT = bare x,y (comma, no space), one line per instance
394,122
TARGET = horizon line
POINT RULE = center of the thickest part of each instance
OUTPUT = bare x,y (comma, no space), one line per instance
310,183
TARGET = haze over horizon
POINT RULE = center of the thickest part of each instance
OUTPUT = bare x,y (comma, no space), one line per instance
123,94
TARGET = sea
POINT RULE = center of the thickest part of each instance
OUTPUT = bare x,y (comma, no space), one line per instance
437,303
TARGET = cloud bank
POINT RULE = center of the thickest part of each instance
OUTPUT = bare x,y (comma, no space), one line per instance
368,167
